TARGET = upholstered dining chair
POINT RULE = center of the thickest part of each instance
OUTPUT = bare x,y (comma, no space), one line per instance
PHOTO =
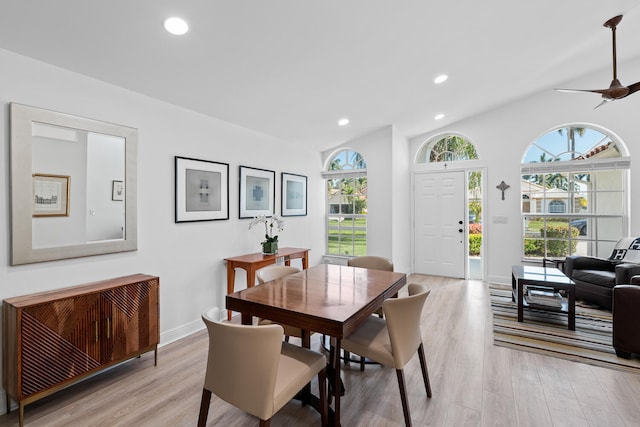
374,263
251,368
394,340
274,272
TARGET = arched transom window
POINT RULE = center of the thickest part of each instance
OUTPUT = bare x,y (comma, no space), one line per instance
447,149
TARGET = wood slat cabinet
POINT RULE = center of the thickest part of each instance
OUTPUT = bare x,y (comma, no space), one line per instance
55,338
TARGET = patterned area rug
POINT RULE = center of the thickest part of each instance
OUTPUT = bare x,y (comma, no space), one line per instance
546,332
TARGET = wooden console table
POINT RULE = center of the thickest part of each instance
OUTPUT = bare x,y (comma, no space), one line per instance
253,262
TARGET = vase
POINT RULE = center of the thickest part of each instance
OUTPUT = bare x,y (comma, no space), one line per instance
269,248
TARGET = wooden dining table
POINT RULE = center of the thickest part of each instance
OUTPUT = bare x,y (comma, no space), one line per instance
329,299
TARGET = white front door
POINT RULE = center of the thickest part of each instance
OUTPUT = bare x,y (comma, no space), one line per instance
440,225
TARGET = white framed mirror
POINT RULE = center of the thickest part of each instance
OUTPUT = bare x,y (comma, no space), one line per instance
73,186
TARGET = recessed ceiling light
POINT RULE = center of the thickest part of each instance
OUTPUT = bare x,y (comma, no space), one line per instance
176,26
343,122
439,116
441,78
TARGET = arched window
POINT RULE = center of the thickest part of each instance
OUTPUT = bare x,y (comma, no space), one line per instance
580,174
446,149
346,215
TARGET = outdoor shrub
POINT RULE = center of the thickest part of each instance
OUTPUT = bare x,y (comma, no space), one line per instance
533,247
475,240
475,228
560,247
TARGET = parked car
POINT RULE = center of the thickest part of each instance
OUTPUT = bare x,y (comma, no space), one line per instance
581,225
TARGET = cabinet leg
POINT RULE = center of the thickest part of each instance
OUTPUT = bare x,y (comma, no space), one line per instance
21,414
155,357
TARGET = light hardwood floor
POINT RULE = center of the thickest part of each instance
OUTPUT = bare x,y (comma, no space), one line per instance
474,383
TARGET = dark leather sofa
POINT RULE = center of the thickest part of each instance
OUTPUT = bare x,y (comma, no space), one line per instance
596,277
626,318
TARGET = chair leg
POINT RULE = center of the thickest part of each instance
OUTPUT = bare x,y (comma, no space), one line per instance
425,372
324,405
403,396
347,357
286,338
204,407
265,423
362,361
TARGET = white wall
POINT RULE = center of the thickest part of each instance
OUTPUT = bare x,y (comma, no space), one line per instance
188,257
504,134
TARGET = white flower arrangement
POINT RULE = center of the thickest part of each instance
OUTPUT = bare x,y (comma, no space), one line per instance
271,225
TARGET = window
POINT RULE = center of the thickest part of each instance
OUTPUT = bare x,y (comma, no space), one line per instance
447,149
574,184
347,204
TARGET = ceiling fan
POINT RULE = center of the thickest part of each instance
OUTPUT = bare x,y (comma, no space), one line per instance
616,89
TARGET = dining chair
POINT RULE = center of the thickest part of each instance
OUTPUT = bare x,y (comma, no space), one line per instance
268,274
251,368
394,340
374,263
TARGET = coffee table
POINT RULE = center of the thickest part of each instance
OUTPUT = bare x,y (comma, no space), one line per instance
545,278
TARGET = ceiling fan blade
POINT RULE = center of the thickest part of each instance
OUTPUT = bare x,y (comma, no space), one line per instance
600,91
604,101
633,88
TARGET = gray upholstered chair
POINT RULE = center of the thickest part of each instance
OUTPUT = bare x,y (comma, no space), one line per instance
393,342
374,263
274,272
252,369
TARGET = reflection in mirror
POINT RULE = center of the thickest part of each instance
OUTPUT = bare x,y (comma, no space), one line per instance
87,158
78,198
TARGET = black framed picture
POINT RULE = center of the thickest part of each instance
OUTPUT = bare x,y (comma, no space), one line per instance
257,192
294,194
202,190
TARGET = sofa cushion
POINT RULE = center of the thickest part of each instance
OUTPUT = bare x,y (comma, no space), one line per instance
597,277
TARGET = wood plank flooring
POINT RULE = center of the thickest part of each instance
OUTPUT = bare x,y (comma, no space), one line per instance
474,383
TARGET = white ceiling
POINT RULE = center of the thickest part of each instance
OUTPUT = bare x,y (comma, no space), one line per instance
292,68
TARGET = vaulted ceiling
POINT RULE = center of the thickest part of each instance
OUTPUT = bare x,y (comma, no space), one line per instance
292,68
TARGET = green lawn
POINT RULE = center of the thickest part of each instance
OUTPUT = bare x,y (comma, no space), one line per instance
350,239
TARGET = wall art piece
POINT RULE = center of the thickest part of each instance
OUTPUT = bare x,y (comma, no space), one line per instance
117,191
257,192
202,190
294,194
50,195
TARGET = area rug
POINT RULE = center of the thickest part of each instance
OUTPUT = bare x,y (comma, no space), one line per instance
546,332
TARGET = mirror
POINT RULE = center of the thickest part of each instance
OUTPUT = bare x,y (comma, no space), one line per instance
73,186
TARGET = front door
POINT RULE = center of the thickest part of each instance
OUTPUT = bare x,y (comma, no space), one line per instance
439,215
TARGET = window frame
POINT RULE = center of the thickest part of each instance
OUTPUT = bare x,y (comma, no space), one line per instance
597,244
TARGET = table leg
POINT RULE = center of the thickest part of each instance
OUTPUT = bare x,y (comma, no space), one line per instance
520,301
336,381
231,280
571,316
246,319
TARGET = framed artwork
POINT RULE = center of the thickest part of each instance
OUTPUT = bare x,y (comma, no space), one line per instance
117,191
50,195
257,192
294,194
202,190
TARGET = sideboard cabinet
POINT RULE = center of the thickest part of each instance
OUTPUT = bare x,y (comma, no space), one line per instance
52,339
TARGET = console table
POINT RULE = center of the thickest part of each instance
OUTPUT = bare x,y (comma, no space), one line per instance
253,262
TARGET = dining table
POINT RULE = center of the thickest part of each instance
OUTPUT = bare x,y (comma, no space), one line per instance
329,299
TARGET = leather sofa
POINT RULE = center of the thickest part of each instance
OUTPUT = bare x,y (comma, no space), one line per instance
626,318
596,277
